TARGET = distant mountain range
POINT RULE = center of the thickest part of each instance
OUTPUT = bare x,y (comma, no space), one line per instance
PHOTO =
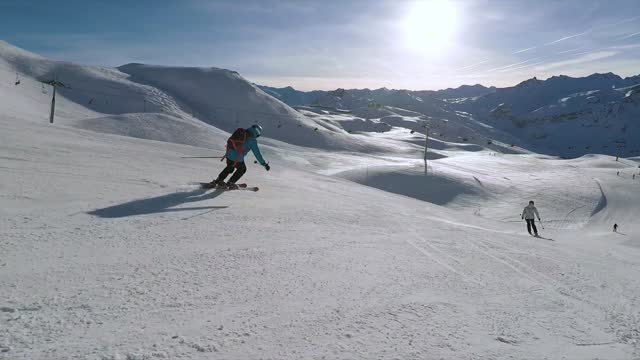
561,115
599,113
294,97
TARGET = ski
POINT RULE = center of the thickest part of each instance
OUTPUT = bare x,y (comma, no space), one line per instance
541,237
242,186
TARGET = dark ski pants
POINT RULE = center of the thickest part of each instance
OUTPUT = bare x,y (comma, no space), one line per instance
531,223
239,167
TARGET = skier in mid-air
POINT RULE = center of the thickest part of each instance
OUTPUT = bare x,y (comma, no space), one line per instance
238,145
529,214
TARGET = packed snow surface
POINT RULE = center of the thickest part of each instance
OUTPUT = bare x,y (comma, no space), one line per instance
109,251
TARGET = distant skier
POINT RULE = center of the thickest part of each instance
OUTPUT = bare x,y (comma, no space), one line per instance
238,145
615,227
529,214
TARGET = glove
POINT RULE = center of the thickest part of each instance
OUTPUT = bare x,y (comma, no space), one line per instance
267,167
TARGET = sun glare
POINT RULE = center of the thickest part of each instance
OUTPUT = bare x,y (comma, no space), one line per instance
430,26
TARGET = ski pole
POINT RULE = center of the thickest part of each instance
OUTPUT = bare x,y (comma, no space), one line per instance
541,224
201,157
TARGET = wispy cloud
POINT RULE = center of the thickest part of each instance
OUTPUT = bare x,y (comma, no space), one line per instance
571,50
567,38
472,65
584,58
623,21
592,51
625,47
582,34
523,67
525,50
512,65
630,35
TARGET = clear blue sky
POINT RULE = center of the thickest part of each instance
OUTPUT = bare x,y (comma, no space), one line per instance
325,44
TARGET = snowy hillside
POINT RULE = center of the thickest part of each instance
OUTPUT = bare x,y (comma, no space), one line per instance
406,110
222,98
566,116
294,97
108,250
532,94
560,116
425,103
217,97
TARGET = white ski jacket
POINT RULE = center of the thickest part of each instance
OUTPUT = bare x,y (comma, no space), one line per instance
529,211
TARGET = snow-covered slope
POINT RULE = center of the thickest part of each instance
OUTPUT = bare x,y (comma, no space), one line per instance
158,127
566,116
108,250
108,253
225,100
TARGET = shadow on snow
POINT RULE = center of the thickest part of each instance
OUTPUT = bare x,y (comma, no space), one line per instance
159,204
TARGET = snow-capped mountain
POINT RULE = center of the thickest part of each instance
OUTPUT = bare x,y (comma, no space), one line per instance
291,96
217,97
379,103
566,116
532,94
294,97
562,115
463,91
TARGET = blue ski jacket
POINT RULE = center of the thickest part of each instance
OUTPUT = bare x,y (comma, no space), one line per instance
250,144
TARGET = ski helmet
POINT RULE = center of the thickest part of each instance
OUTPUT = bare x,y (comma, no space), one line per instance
256,130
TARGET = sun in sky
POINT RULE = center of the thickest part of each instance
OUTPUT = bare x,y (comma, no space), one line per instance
430,26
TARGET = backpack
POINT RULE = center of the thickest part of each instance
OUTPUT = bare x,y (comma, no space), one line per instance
236,142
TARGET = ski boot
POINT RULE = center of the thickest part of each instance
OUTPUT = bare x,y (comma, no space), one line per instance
232,186
217,184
